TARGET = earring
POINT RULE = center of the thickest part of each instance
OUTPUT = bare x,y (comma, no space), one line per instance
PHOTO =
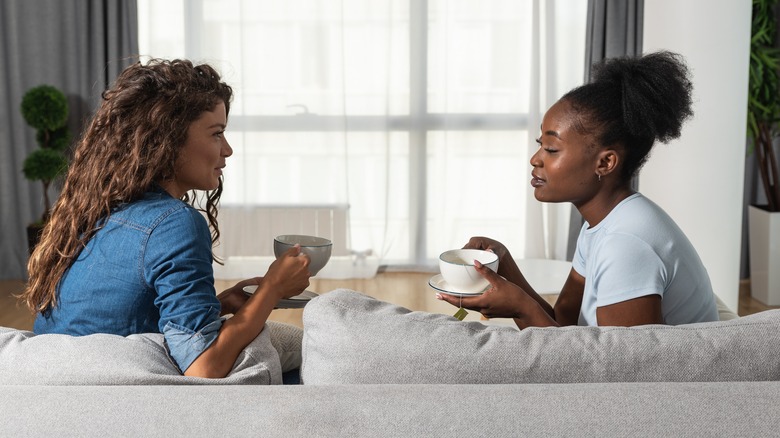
599,175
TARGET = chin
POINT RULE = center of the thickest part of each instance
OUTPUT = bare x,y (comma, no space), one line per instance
207,187
542,198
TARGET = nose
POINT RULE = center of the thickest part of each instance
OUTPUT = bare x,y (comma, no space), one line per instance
535,160
226,149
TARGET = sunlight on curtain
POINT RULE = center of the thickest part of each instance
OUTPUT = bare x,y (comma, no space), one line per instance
418,115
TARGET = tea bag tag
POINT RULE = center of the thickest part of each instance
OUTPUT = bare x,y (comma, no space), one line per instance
461,313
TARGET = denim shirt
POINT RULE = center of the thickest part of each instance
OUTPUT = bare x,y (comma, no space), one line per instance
148,270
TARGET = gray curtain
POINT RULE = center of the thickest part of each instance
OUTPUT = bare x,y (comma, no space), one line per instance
614,29
78,46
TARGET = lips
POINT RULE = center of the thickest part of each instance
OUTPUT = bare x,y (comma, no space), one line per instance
536,181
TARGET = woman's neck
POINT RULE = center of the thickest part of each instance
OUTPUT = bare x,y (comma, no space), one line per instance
602,204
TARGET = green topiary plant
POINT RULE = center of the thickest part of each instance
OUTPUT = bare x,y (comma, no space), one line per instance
45,108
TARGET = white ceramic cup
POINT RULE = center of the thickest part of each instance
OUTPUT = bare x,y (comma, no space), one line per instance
457,268
317,248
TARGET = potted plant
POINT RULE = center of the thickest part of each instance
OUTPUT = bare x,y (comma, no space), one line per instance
45,108
763,115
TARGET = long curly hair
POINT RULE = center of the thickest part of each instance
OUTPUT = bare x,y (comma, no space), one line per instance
130,144
634,101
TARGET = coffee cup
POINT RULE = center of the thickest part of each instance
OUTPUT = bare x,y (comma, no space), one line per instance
317,248
458,270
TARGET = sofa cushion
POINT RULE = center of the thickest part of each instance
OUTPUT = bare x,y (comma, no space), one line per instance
286,339
103,359
353,338
630,410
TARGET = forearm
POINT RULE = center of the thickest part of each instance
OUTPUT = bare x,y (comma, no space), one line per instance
236,333
532,313
567,309
512,273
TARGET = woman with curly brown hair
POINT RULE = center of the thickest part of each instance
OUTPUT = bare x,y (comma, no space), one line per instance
127,248
632,265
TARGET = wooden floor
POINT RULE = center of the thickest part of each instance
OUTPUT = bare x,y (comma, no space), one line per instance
408,289
12,314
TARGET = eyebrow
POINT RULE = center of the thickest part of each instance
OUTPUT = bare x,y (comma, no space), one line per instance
218,125
549,132
553,133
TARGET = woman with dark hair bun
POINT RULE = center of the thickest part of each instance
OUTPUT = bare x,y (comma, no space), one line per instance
127,248
632,265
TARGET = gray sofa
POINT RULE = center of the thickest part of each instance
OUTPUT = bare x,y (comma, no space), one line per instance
371,368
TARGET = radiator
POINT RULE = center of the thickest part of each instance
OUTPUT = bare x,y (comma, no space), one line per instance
249,230
247,237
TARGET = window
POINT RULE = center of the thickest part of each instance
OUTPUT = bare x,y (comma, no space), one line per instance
418,114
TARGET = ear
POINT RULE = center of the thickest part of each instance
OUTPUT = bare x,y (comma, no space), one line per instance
608,161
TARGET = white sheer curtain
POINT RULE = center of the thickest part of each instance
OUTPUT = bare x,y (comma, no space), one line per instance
418,115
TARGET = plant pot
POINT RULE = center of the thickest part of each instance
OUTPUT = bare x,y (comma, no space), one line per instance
33,236
764,231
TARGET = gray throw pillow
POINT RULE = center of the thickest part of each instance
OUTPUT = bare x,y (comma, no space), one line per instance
352,338
102,359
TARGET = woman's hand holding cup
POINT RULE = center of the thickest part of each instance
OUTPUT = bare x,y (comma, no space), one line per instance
289,274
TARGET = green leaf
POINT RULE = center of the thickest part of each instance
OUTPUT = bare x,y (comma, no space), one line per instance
45,107
44,165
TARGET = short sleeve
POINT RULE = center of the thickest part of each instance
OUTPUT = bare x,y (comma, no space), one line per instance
177,265
626,268
578,260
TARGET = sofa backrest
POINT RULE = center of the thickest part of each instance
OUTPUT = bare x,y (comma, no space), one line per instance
352,338
102,359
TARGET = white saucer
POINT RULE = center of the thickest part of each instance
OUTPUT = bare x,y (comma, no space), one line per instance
437,282
296,302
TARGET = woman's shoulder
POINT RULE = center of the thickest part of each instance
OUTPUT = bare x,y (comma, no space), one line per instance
638,210
641,218
154,209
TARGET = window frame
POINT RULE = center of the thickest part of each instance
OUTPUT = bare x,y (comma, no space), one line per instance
417,123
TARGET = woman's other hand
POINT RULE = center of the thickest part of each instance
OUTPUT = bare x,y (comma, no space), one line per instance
233,298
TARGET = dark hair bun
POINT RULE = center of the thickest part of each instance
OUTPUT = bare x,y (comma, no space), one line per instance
656,93
634,101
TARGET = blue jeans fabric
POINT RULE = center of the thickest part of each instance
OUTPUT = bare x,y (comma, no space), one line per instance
292,377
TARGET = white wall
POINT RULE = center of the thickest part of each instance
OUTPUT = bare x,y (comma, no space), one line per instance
698,179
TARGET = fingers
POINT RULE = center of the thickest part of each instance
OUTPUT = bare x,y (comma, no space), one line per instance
446,297
466,302
293,264
476,242
249,282
485,244
294,251
297,251
487,273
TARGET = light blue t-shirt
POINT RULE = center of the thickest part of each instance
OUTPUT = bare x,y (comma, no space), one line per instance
638,250
148,270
